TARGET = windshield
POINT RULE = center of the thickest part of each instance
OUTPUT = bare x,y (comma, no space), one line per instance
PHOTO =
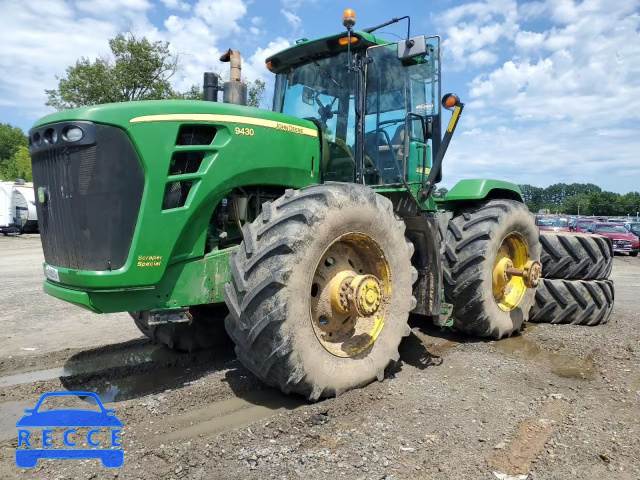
322,91
635,227
553,222
611,229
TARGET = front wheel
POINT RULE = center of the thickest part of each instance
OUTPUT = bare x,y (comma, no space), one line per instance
480,243
321,290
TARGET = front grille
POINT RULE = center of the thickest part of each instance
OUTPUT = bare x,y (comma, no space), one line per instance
92,196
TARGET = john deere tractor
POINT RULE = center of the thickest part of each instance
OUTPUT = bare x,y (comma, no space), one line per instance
315,223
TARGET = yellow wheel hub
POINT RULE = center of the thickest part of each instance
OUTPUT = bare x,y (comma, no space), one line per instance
366,294
513,256
349,295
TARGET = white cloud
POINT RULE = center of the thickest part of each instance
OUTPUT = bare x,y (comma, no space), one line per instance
176,5
474,30
221,15
292,18
36,48
561,107
255,67
110,7
295,4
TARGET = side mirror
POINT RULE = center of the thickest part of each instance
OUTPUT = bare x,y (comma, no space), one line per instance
412,47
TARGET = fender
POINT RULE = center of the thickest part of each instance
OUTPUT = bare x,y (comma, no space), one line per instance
481,189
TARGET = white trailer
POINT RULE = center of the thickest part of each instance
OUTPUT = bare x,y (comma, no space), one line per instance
7,211
17,208
24,202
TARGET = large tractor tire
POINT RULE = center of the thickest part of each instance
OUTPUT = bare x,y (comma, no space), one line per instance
478,241
205,331
577,302
576,256
311,303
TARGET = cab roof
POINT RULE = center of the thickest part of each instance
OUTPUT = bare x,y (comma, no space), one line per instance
305,50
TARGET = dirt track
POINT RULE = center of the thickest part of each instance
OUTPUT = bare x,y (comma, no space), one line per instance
556,402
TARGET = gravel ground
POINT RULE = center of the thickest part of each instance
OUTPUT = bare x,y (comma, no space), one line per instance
557,402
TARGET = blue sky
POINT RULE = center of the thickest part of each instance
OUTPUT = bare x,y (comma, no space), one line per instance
551,86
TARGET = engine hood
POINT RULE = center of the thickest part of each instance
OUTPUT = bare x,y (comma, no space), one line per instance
618,236
127,113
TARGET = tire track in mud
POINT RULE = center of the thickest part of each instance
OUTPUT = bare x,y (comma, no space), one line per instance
189,394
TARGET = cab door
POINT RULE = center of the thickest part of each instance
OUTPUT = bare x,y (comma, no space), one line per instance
402,114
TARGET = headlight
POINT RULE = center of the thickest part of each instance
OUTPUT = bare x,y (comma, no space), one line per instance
74,134
50,136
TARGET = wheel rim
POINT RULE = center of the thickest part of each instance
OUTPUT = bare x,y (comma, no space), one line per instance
350,295
508,291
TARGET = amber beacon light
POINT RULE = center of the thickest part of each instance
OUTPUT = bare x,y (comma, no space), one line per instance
349,18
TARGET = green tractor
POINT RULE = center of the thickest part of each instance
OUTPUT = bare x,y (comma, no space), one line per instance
315,223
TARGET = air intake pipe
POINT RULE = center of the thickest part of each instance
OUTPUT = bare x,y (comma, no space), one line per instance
210,87
235,90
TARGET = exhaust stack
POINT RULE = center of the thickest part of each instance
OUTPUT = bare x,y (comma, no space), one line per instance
235,90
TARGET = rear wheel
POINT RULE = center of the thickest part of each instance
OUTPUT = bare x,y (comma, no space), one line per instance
576,256
205,331
481,242
312,308
576,302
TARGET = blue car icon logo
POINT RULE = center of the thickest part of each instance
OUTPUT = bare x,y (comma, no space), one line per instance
99,422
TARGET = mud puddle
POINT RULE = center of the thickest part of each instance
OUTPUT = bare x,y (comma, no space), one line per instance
10,413
562,365
133,386
229,414
88,364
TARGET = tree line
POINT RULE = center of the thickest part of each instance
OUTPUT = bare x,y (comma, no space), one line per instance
14,154
580,198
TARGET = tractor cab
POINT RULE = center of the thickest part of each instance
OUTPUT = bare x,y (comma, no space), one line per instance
376,104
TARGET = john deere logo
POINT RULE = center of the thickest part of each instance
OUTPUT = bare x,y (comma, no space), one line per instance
42,194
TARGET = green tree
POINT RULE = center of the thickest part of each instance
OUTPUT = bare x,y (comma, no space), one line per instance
256,92
11,139
578,204
630,203
17,166
194,93
440,192
532,197
137,69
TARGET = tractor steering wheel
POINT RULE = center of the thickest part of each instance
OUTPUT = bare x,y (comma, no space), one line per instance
326,112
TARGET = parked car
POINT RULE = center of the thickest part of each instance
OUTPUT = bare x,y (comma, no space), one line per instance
552,223
633,227
583,224
623,240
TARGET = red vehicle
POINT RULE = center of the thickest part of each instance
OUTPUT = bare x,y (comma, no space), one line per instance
553,224
623,240
583,225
